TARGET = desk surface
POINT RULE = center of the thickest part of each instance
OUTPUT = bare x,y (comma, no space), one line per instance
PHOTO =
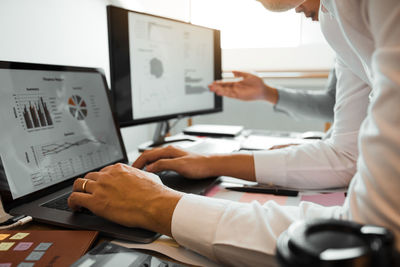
35,226
219,191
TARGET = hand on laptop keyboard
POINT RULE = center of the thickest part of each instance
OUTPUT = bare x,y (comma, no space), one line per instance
128,196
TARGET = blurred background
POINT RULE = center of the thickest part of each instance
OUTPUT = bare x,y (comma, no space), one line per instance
285,49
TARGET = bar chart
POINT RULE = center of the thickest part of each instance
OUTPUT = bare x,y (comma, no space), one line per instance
34,110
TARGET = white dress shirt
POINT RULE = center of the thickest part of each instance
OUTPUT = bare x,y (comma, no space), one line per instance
328,163
245,234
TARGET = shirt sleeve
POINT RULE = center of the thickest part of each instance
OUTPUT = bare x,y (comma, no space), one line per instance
308,104
328,163
237,234
375,190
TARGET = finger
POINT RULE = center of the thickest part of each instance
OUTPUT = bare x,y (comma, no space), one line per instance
107,168
163,165
157,154
242,74
224,84
77,200
78,185
231,92
92,176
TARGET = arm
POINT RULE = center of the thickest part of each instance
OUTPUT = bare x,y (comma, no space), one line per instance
327,163
235,234
196,166
323,164
293,102
375,190
309,104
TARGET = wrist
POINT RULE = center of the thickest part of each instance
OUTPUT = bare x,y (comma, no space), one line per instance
271,94
236,165
161,210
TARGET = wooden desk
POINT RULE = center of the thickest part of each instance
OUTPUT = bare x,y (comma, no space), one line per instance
35,226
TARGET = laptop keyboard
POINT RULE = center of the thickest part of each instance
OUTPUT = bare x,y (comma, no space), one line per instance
61,203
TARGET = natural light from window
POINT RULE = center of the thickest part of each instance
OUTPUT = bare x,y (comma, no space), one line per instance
247,24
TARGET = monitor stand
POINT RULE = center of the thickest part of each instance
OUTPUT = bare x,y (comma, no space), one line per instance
161,137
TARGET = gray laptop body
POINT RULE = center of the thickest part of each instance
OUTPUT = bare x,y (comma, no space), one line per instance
57,125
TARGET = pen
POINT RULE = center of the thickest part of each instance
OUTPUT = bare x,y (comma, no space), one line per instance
263,190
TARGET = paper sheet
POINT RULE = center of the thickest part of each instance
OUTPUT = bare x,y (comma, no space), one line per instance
169,247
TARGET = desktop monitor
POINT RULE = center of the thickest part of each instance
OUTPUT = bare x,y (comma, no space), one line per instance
160,67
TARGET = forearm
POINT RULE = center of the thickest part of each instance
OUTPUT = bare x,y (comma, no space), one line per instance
236,165
161,209
306,104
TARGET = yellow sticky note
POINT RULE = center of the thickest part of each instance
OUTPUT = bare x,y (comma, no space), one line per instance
4,246
3,236
19,235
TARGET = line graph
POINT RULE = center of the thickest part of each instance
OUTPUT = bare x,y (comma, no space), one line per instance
59,147
59,160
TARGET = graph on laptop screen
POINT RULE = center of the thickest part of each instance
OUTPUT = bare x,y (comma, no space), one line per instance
161,68
55,125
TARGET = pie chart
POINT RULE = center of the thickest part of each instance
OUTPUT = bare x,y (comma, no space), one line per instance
77,107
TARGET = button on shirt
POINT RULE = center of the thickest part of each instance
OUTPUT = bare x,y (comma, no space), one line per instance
245,234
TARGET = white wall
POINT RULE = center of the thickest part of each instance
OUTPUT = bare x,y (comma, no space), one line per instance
74,32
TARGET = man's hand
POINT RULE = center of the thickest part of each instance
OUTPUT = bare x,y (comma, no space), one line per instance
197,166
188,164
127,196
251,87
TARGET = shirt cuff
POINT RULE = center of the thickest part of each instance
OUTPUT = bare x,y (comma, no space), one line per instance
270,167
195,220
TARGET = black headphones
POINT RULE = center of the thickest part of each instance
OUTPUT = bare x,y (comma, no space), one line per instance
336,243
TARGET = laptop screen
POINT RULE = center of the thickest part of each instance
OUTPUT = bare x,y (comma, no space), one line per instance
56,124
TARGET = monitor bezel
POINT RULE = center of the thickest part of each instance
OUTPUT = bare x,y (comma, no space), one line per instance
118,36
9,202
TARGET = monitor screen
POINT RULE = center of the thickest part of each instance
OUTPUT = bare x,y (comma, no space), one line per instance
161,68
56,124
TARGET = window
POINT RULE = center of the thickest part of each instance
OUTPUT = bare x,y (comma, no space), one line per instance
287,41
252,37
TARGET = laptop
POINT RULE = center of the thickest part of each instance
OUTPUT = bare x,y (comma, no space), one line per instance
56,125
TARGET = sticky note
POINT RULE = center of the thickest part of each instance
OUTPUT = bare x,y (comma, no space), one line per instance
19,235
23,246
26,264
43,246
4,246
2,237
34,256
8,264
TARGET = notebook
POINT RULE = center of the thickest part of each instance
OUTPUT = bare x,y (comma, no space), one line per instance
56,125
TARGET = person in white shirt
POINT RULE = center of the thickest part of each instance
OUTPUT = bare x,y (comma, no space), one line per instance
366,37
